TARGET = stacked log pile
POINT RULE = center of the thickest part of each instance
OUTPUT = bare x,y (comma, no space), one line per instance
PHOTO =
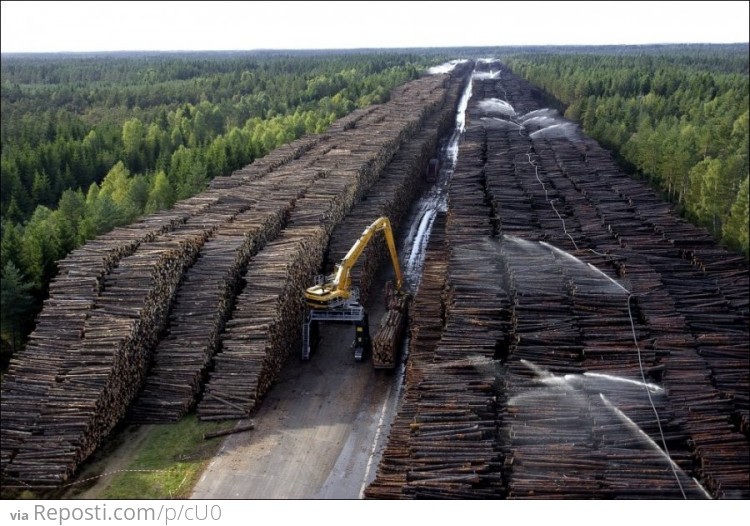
102,373
650,244
114,295
60,325
639,223
180,362
659,299
73,294
265,324
443,442
202,306
453,438
426,326
392,196
390,333
275,159
105,368
691,310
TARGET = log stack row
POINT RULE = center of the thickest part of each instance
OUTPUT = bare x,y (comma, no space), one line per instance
392,196
688,311
443,443
426,319
110,306
623,313
264,326
101,373
279,157
602,209
202,306
59,327
266,323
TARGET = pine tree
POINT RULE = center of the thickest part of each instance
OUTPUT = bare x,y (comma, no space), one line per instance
738,225
15,303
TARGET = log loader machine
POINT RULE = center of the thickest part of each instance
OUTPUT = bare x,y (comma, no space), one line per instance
332,298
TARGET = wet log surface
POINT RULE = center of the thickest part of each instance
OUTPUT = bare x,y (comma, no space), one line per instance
594,284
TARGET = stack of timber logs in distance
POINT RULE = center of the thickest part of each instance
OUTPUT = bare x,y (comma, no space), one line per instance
661,304
392,196
281,156
265,324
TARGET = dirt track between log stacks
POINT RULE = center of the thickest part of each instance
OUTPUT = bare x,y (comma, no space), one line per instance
316,433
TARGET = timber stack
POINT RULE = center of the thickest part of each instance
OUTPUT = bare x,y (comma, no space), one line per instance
202,306
392,196
123,306
347,172
390,334
426,326
600,294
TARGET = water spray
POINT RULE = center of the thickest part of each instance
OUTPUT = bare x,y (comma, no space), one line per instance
665,454
565,129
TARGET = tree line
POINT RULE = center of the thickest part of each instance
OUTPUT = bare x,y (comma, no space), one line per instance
91,142
676,115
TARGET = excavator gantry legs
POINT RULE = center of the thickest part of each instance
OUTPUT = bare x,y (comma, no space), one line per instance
349,313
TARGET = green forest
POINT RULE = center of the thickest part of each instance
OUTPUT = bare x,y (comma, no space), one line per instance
676,116
92,141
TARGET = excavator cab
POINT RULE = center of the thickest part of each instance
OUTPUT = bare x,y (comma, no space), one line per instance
323,296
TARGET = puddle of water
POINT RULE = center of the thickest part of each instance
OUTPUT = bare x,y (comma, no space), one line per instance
435,199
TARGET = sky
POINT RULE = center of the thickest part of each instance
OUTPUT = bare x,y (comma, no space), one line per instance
169,26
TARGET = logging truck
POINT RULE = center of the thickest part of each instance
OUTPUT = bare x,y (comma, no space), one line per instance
332,298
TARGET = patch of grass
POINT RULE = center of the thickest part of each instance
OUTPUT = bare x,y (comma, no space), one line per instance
168,464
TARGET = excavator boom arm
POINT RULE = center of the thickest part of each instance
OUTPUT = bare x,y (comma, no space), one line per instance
343,274
394,256
338,288
334,300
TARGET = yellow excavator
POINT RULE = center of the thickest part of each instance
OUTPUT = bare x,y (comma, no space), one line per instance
333,298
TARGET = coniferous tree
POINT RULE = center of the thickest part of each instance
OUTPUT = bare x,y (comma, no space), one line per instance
15,303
